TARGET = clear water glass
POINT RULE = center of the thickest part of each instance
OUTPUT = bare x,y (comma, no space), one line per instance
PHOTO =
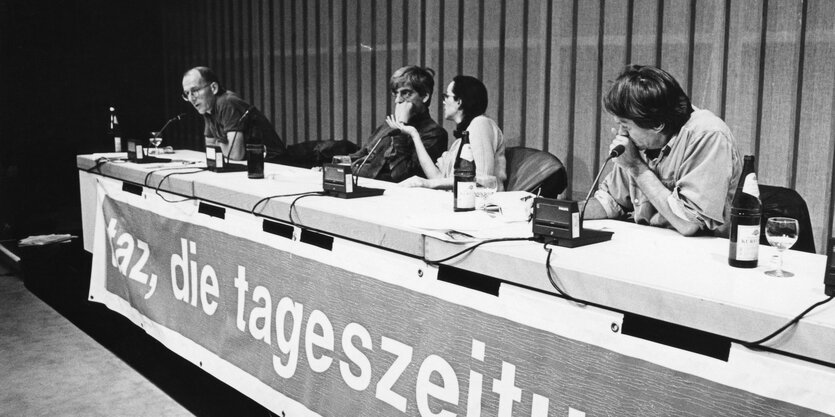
486,185
155,140
781,233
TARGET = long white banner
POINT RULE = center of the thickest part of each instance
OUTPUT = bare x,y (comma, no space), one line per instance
356,330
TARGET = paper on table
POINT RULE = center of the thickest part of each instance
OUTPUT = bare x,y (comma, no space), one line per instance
44,239
478,225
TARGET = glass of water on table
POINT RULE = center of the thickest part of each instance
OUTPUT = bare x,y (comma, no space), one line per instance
485,186
155,140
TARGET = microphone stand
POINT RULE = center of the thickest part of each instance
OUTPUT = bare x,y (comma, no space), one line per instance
354,173
159,133
232,144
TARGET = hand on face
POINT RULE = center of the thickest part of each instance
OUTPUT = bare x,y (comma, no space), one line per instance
630,158
394,123
404,111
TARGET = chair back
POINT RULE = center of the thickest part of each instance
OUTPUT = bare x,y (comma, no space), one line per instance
535,171
785,202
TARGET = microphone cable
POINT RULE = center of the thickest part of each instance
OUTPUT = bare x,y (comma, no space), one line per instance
293,204
471,248
553,280
265,199
100,161
157,188
756,345
154,171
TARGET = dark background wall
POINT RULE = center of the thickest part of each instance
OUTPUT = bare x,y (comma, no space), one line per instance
319,68
64,62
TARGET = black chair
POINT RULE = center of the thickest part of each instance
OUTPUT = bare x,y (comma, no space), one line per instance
785,202
314,153
535,171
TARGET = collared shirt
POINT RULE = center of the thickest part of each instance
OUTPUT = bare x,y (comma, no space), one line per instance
700,166
392,157
226,116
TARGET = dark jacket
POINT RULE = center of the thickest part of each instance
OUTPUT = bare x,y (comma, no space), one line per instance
394,157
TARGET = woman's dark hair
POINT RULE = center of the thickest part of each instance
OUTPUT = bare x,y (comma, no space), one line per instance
473,95
650,97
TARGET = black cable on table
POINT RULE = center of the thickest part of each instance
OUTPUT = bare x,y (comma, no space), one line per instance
156,190
471,248
293,204
100,161
551,278
758,343
257,203
154,171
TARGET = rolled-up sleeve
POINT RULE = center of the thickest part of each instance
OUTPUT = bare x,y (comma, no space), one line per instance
701,191
613,194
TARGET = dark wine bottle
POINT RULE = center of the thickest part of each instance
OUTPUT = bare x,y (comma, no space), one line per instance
463,185
746,212
114,132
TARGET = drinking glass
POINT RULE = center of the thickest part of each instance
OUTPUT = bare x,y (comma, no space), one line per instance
155,140
486,185
781,233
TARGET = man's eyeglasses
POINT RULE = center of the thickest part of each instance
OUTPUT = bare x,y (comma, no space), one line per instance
187,95
403,93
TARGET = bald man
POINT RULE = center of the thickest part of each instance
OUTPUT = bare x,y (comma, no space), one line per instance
230,122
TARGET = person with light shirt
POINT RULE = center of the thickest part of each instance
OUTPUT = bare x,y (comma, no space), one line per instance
680,164
465,102
230,122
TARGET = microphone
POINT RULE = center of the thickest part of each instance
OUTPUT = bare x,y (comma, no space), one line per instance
232,144
391,133
175,118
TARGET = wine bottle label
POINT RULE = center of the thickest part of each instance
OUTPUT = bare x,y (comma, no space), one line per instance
750,186
467,153
747,242
466,195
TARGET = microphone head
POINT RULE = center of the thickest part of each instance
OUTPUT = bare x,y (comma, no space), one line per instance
617,151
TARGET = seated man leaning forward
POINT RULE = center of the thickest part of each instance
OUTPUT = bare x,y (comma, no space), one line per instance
389,153
230,122
679,166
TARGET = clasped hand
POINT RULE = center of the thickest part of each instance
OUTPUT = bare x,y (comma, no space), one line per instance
630,158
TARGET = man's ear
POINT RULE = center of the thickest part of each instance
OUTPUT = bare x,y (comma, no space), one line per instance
426,98
214,87
659,128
